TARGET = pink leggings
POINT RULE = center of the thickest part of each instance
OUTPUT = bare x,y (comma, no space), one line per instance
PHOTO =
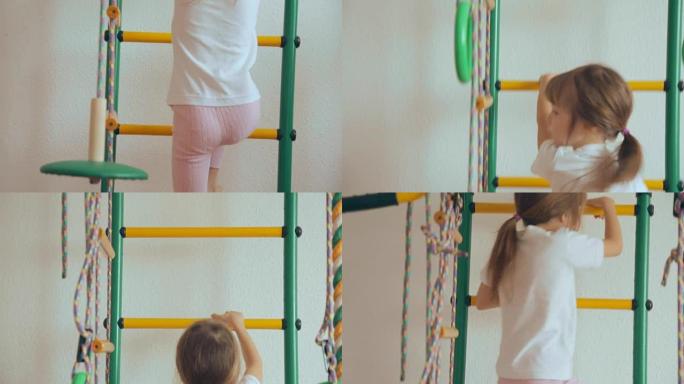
198,136
509,381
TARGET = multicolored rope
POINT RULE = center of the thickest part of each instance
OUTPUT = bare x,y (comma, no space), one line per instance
443,244
428,275
337,281
65,234
479,91
325,338
88,327
102,50
405,296
677,257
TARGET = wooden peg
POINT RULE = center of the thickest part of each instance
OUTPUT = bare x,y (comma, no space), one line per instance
113,12
106,245
491,5
448,333
439,217
483,102
102,346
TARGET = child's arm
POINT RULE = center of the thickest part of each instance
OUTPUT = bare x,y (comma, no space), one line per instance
486,298
253,364
612,243
543,110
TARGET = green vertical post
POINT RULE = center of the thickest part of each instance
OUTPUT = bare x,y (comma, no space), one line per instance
287,83
494,89
117,62
290,289
115,304
672,113
643,212
462,295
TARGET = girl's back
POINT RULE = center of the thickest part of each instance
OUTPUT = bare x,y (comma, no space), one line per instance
215,47
537,298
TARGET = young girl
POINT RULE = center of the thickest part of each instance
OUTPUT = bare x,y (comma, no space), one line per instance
583,141
208,352
531,276
215,102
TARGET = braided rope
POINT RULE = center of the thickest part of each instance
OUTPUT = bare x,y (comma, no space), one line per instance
472,146
444,245
65,234
428,272
486,90
405,296
677,257
102,50
325,338
337,281
480,116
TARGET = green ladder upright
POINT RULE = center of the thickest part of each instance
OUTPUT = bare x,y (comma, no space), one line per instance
640,304
289,324
672,86
285,135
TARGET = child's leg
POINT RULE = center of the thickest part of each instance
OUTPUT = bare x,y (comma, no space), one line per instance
196,134
214,166
239,121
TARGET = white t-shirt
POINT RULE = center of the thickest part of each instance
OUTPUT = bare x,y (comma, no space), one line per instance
538,303
570,170
249,379
214,48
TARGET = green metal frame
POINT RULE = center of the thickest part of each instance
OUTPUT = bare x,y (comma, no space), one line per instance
673,182
291,323
287,133
642,305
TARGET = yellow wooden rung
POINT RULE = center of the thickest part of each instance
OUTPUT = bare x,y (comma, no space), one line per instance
102,346
165,38
585,303
167,130
178,323
407,197
169,232
537,182
509,208
531,85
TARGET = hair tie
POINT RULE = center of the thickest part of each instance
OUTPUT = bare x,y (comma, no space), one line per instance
625,132
517,217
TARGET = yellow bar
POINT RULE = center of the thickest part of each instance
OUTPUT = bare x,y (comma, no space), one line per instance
149,232
163,323
622,209
537,182
165,38
584,303
167,130
406,197
525,85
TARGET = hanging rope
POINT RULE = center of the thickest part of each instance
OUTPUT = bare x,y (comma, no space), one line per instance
677,257
87,326
65,233
480,98
325,338
337,282
405,296
444,244
428,275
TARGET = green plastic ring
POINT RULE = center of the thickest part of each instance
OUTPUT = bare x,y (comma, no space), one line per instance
463,36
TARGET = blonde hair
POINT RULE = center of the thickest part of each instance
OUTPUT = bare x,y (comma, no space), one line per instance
532,209
600,96
208,353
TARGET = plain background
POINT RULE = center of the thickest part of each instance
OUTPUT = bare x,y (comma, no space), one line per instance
161,278
406,116
374,260
48,73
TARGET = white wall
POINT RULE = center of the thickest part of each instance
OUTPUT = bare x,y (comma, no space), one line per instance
374,260
406,114
172,278
48,74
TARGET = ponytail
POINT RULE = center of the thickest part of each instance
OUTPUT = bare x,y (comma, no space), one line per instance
629,159
503,252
